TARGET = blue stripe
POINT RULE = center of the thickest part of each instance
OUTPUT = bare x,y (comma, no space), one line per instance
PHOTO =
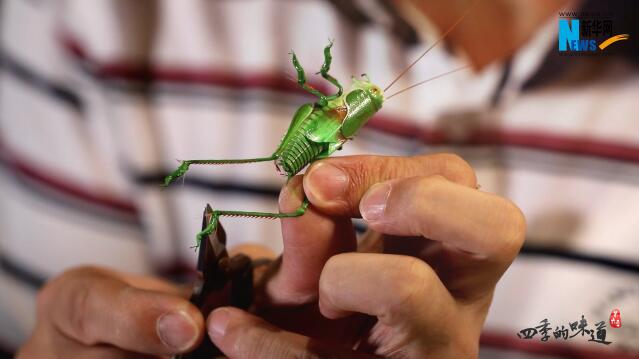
21,273
610,263
40,83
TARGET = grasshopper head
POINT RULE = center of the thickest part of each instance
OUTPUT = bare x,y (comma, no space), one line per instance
375,100
375,93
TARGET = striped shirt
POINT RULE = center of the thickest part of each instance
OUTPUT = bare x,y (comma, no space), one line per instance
98,98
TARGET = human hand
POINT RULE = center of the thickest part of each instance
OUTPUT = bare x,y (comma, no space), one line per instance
90,312
445,245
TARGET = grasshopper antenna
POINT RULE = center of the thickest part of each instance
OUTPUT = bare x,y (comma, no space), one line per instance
428,80
442,37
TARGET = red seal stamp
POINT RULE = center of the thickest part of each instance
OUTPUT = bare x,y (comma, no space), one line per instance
615,318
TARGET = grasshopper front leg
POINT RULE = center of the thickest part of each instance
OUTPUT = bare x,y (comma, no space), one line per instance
301,80
326,66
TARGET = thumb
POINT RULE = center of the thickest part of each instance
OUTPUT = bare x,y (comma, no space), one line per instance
242,335
336,185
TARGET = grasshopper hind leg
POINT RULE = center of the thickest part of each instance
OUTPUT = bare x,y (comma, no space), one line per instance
216,214
184,166
210,228
179,172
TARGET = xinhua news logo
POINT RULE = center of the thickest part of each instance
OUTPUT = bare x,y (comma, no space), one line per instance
583,33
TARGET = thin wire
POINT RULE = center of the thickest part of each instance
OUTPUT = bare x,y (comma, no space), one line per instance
428,80
431,46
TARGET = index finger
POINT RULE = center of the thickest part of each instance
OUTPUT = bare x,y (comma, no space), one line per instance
336,185
309,241
93,307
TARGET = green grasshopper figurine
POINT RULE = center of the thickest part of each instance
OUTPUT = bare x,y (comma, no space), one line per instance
317,130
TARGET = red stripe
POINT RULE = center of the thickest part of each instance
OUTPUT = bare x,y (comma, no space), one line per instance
123,70
64,185
532,139
564,349
402,127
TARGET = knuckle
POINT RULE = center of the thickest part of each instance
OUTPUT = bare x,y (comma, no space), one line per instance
516,232
79,305
366,170
458,170
409,279
389,167
78,286
512,230
329,277
363,173
49,294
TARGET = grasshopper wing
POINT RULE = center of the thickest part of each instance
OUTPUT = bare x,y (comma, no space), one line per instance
326,128
298,120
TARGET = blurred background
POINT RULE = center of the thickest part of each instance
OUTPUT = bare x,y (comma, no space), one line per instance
98,98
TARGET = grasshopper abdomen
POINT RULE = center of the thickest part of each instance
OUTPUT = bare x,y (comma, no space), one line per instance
298,154
297,151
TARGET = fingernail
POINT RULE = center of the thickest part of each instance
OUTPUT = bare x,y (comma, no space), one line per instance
326,182
373,203
218,321
176,330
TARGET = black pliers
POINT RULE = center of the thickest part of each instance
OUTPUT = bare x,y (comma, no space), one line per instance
221,281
